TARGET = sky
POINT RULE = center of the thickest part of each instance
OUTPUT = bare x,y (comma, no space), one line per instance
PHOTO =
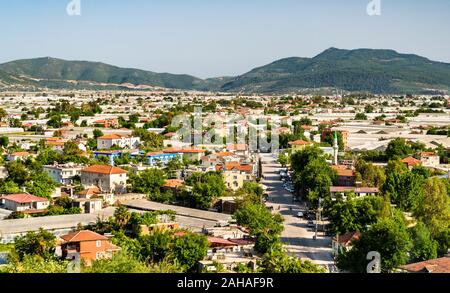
210,38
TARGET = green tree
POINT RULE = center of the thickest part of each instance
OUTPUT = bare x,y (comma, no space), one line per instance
371,175
424,246
41,185
206,187
97,133
189,249
389,237
35,264
398,149
156,246
148,181
262,224
121,217
9,187
283,159
55,121
434,210
17,172
277,261
405,190
360,116
3,114
122,262
41,243
4,141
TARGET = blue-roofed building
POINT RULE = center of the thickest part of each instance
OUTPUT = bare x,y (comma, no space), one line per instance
111,155
160,157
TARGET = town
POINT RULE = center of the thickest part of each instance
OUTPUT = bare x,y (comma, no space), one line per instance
161,180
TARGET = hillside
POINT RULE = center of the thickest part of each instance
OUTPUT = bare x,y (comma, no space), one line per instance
377,71
361,70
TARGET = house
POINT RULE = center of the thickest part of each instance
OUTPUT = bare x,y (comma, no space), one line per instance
358,191
122,141
3,172
15,156
107,123
240,149
299,145
189,153
173,184
438,266
64,173
88,205
89,245
155,158
24,202
429,159
108,178
411,162
344,242
56,145
236,174
345,175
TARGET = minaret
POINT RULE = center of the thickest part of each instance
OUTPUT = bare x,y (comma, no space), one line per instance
335,148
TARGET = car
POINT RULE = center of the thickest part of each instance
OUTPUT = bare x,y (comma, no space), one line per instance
300,214
311,224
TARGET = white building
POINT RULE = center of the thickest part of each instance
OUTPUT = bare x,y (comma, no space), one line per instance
24,202
63,173
122,141
108,179
429,159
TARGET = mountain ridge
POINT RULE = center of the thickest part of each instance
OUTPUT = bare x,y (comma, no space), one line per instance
359,70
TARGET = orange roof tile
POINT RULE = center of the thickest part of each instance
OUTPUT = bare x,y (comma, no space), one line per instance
111,136
410,161
85,235
104,169
23,198
300,142
173,183
438,265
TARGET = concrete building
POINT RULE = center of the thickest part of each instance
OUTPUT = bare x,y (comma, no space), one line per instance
155,158
89,245
108,179
63,173
299,145
24,203
122,141
429,159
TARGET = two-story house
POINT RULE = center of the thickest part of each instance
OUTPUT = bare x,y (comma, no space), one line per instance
108,179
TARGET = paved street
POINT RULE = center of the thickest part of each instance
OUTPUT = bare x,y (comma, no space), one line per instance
296,233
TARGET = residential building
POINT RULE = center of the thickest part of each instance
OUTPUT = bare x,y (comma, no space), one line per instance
63,173
89,245
345,175
155,158
358,191
108,178
122,141
437,266
299,145
240,149
429,159
16,156
343,242
189,153
236,174
24,202
411,162
88,205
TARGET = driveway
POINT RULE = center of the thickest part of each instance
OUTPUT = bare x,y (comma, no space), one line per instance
297,236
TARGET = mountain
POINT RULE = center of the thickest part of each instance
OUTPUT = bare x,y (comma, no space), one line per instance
360,70
51,70
368,70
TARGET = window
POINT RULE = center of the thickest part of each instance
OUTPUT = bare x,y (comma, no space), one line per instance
98,243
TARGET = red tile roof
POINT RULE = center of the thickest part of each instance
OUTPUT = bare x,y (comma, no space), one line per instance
230,166
237,147
111,136
354,189
348,238
186,150
343,171
104,169
427,154
23,198
85,235
173,183
300,142
439,265
410,161
215,241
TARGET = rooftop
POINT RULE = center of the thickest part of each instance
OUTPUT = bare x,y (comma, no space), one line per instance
104,169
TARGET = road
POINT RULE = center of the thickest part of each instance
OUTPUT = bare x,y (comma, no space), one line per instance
298,238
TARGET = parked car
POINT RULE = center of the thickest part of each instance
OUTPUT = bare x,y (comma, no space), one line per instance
300,214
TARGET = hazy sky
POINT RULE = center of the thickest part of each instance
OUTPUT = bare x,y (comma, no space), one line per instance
208,38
